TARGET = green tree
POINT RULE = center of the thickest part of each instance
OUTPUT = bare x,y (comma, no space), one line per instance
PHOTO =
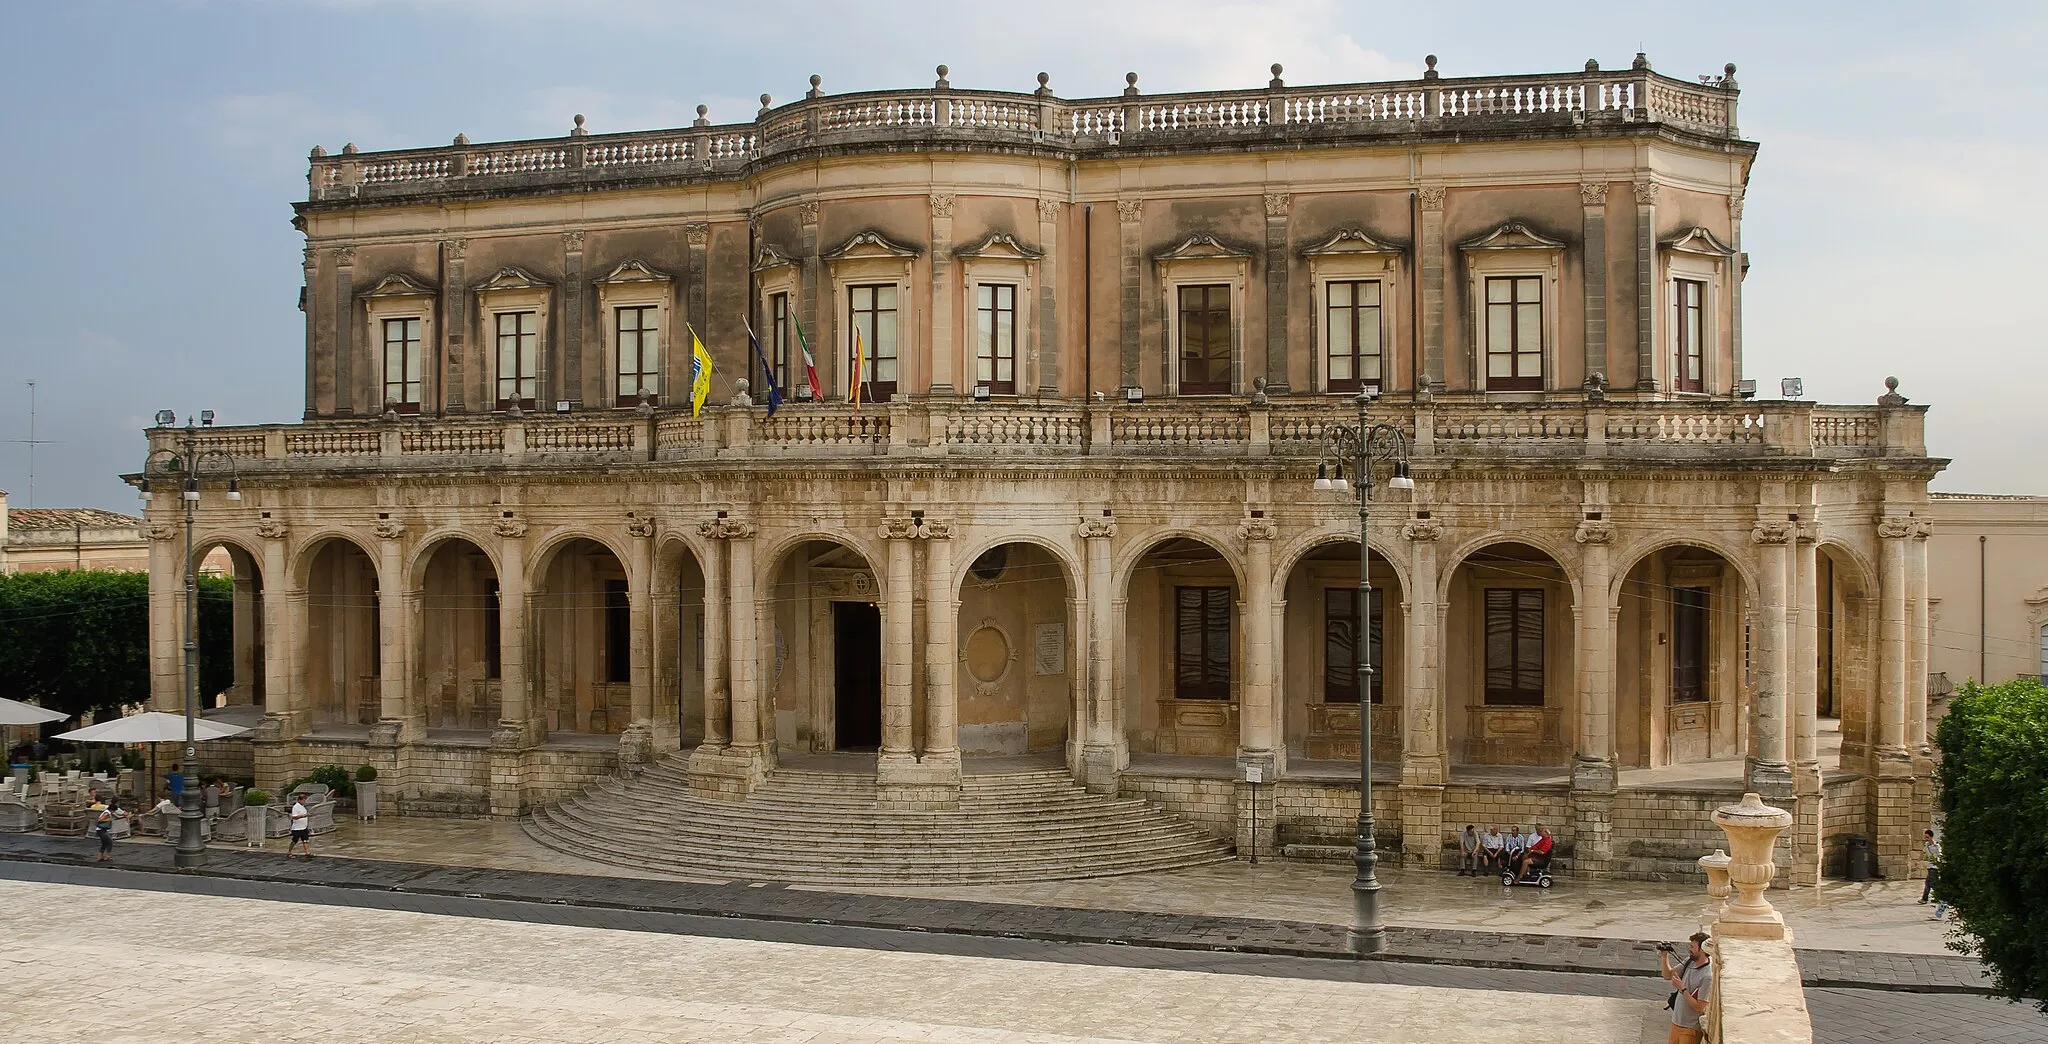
1994,794
78,641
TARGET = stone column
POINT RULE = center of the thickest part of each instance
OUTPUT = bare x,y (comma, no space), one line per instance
246,629
897,648
283,687
749,710
1048,278
1103,753
717,698
1916,647
941,663
943,350
636,742
1894,819
1424,747
516,721
1768,770
1255,746
1430,199
166,613
1278,260
397,611
1593,773
1808,811
1130,273
315,359
734,756
1646,285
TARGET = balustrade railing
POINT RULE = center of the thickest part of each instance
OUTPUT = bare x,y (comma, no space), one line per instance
1632,95
1294,428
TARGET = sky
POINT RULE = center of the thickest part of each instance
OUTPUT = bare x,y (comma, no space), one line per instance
150,153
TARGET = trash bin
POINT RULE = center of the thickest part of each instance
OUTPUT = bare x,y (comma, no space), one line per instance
1859,863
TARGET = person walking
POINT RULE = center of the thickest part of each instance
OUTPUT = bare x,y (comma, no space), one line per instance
103,816
302,828
1931,846
1691,982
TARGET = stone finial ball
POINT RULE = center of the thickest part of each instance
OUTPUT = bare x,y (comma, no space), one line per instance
1276,68
702,109
816,79
1891,384
1729,70
1131,78
1429,60
579,119
943,71
765,99
1592,65
1044,78
319,151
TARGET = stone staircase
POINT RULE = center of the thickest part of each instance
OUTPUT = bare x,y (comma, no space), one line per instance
823,828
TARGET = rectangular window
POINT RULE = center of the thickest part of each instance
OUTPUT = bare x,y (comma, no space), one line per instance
1340,645
995,338
1201,643
1688,645
518,360
402,365
872,316
618,633
1514,334
1514,646
782,345
493,652
639,339
1205,340
1689,296
1351,336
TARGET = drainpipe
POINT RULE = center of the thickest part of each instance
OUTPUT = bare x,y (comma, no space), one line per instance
1982,625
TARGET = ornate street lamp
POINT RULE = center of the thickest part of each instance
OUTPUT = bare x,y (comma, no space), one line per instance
1364,443
191,849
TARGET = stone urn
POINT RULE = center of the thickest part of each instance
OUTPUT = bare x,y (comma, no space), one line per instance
1752,828
1716,866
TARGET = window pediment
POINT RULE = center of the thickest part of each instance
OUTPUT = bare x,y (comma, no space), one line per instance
398,284
870,244
1351,241
512,278
1000,246
631,272
1201,247
1697,240
771,258
1512,235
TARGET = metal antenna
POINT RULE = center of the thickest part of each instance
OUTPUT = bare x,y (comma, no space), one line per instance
31,442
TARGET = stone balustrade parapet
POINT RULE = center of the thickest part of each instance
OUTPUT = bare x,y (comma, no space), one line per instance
953,118
1727,433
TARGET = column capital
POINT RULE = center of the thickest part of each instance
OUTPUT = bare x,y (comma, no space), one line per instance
1278,204
159,530
1129,209
1049,209
900,528
641,526
942,204
1254,529
271,529
1594,531
1593,193
1771,531
725,529
1896,527
1422,530
933,529
511,527
1096,528
1646,192
389,528
1432,197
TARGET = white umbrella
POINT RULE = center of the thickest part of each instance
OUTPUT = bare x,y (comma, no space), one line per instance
151,727
14,712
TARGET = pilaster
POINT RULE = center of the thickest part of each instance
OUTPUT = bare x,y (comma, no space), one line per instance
1130,269
1278,262
454,327
1430,201
570,384
1646,285
1048,341
344,331
944,354
1593,224
1103,750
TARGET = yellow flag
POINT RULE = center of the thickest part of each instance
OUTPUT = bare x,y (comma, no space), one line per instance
700,374
860,362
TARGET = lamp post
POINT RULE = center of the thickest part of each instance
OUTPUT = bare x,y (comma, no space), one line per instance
1364,443
191,849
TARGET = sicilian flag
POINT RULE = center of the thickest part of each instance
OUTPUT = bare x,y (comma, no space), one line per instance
767,371
700,373
860,367
810,364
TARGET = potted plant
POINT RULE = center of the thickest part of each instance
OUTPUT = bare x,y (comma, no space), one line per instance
366,791
255,809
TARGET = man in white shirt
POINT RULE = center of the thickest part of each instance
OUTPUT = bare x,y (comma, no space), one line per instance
302,828
1491,846
1518,843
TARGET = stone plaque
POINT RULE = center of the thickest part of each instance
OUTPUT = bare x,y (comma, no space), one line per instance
1049,649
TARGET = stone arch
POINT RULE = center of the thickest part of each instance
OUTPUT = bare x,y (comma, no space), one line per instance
341,652
1018,691
1682,608
1463,553
1127,564
1635,554
541,558
453,590
582,628
681,641
1181,664
1062,554
1509,670
244,682
1845,654
1295,549
1317,691
824,617
424,549
313,543
775,554
238,547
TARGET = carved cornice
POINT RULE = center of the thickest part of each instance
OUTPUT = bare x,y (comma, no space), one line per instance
999,244
1593,193
512,277
1130,209
1351,241
1096,529
398,284
1594,531
509,528
869,244
770,258
1698,240
1198,246
1278,204
270,529
1771,531
1257,529
1422,529
1512,235
942,204
632,271
389,528
1432,197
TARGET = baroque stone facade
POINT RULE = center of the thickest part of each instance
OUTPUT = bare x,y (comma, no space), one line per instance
1071,515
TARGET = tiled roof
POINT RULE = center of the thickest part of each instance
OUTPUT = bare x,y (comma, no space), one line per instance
26,519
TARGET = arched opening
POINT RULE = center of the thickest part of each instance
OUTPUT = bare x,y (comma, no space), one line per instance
459,653
344,651
1845,660
583,624
1017,670
1320,655
1182,652
680,652
1509,669
824,666
237,681
1681,649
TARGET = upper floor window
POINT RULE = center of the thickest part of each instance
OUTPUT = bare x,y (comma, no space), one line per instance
402,364
1205,340
1688,644
871,316
518,359
639,341
1689,298
1514,646
1340,644
1514,333
1351,336
995,338
782,345
1201,643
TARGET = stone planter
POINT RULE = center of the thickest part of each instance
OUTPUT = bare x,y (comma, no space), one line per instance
1716,866
253,817
366,799
1752,828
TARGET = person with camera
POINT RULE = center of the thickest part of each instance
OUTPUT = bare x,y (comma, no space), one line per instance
1691,981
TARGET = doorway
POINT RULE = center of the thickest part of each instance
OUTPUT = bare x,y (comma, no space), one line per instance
856,676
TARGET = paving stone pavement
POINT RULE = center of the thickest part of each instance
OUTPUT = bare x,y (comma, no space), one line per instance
773,903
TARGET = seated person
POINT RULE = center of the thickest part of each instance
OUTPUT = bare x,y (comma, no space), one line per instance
1517,843
1468,851
1538,855
1491,848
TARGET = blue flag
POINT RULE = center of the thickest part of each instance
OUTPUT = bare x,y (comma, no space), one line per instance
767,371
